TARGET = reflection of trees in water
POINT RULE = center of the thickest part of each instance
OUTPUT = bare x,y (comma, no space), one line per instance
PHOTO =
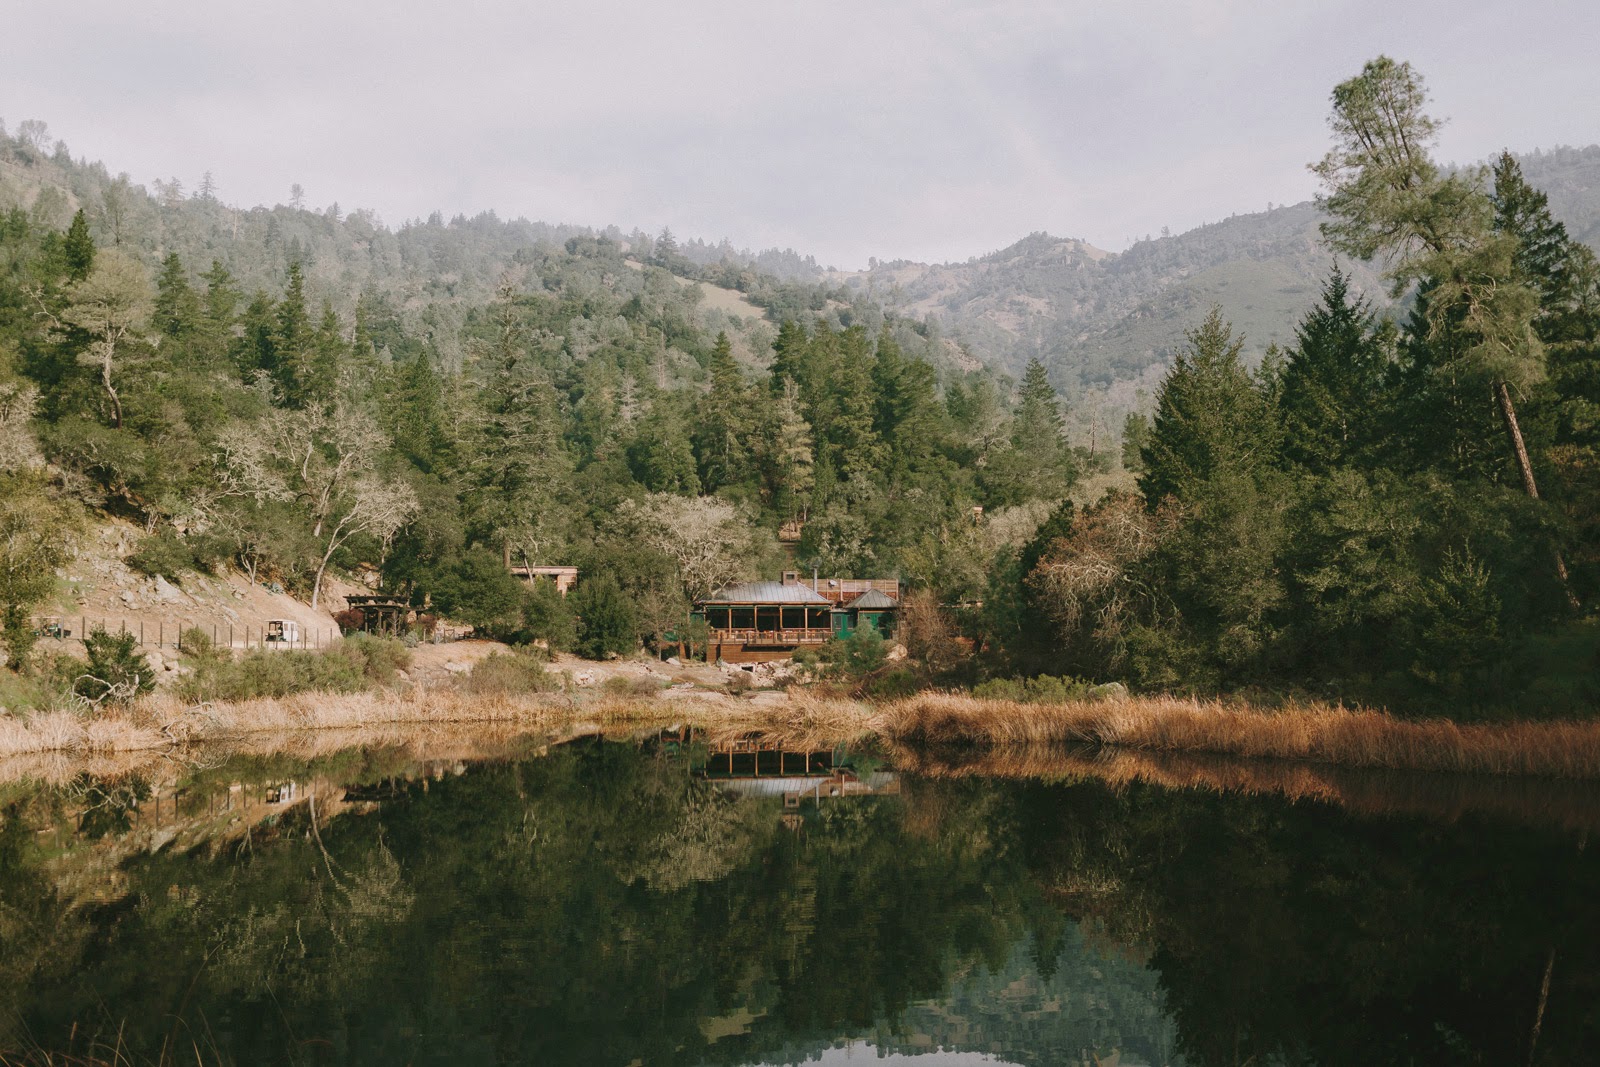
602,905
1302,934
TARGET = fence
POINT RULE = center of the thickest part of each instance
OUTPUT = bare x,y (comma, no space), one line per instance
168,634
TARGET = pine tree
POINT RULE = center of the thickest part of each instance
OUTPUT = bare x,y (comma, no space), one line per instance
1209,417
1333,382
788,462
78,248
908,415
722,438
177,308
1388,198
293,342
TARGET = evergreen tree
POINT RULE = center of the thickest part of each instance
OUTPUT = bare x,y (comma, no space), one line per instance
177,307
1209,417
722,436
221,307
1332,387
78,249
293,342
1387,197
787,459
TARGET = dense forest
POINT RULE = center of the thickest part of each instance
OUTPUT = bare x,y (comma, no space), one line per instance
1396,509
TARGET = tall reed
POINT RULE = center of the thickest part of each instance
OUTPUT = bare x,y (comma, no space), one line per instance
1318,733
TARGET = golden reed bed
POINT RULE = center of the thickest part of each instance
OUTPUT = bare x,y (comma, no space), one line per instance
1318,734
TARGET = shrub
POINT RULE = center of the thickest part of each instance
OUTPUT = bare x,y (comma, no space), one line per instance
1043,689
163,553
355,664
546,616
605,618
196,642
894,685
509,674
631,687
117,672
380,657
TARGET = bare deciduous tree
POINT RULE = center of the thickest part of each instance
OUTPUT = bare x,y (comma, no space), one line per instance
707,538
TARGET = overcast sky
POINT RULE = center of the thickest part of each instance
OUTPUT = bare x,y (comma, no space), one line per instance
925,129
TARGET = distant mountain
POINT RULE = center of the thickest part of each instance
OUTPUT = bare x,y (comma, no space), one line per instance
1106,324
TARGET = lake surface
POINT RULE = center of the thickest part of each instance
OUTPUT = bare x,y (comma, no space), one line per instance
665,900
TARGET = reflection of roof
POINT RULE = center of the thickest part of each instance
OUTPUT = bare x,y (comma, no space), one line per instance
873,600
765,593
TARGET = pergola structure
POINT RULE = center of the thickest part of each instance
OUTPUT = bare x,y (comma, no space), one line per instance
381,614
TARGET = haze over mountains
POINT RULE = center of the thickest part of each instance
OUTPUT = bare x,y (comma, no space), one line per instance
1103,323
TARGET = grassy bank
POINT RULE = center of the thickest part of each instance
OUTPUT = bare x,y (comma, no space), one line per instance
1316,734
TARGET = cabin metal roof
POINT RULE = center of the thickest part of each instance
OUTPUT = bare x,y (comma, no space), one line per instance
766,593
873,600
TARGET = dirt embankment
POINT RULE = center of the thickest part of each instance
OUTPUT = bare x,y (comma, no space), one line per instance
99,589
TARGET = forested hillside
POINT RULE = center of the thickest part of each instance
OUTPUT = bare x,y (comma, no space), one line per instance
292,391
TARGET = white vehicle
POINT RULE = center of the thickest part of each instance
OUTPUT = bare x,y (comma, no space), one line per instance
283,632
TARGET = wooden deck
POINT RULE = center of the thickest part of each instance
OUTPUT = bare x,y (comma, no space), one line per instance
764,646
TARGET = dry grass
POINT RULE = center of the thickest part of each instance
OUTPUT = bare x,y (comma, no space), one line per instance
1317,733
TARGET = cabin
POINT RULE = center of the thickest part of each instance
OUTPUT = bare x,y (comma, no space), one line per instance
873,610
563,577
756,622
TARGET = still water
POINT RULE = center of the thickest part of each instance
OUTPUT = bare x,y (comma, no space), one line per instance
665,900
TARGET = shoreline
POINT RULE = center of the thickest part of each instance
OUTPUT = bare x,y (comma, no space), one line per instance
1314,735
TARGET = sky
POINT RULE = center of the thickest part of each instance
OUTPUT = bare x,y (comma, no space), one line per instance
930,130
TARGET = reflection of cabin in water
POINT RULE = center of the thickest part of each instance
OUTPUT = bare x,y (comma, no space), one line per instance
759,621
757,767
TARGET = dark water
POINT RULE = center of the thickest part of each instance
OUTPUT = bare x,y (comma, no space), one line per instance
663,902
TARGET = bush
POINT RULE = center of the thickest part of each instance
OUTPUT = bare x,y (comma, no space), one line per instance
476,589
509,674
164,553
380,657
631,687
196,642
1044,689
117,672
546,616
894,685
605,618
357,663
